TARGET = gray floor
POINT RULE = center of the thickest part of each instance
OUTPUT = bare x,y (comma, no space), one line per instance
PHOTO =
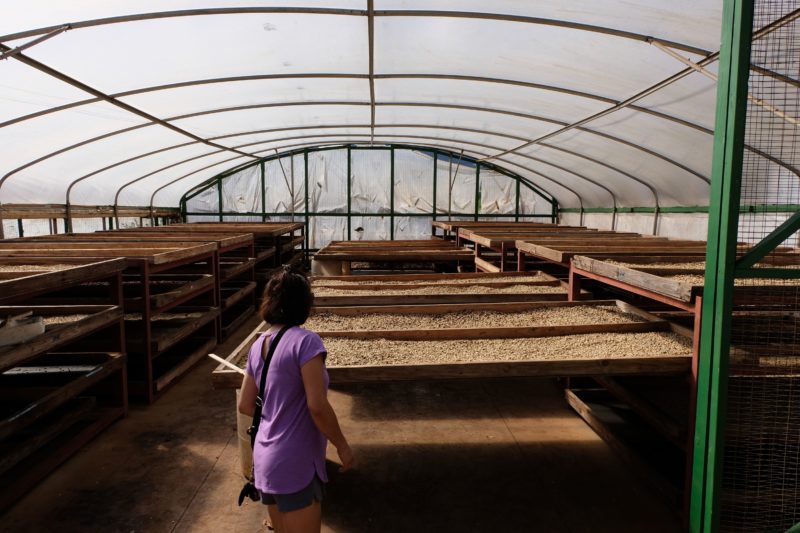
498,456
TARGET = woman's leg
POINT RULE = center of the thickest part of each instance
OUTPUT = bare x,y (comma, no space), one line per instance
276,517
305,520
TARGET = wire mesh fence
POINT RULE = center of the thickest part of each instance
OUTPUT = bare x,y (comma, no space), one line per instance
761,472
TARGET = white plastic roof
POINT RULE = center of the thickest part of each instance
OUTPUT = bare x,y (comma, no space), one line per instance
113,101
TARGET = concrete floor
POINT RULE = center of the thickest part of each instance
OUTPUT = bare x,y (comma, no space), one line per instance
500,456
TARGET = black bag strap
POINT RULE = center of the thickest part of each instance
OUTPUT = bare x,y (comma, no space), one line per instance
262,386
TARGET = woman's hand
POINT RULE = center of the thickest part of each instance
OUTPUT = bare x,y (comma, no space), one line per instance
346,457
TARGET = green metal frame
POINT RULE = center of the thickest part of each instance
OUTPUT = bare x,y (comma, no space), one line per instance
392,214
756,208
723,214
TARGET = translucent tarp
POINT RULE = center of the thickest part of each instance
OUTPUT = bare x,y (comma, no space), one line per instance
242,80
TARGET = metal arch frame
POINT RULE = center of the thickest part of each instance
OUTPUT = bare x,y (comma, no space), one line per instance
19,56
300,148
448,148
193,83
346,141
333,145
283,104
395,76
354,126
631,176
370,13
388,104
322,136
357,12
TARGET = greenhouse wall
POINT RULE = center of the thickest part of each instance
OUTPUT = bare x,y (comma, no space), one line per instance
368,192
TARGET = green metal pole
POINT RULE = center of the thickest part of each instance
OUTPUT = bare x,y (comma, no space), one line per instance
219,197
391,195
264,192
435,160
516,202
308,219
477,191
349,194
712,378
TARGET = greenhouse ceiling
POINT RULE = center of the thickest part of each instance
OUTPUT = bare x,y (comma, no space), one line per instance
597,102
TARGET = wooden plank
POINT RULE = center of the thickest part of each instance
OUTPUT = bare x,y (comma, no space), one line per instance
224,378
496,333
61,244
668,287
436,298
13,453
231,270
178,370
485,265
223,240
476,283
187,289
162,340
152,255
39,283
676,365
427,277
20,480
664,424
58,335
629,456
49,211
435,309
399,256
243,289
231,327
60,395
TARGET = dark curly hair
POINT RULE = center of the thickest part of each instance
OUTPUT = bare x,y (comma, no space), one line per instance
287,298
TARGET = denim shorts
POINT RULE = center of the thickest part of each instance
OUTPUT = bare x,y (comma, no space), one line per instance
301,499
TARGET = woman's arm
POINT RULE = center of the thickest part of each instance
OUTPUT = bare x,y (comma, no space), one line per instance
247,396
321,410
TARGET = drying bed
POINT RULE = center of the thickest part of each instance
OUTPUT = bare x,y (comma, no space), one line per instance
420,342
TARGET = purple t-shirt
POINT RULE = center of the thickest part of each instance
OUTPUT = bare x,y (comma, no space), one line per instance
289,448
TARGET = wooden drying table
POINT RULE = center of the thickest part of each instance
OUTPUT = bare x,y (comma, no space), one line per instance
283,237
152,366
398,252
450,227
676,364
61,388
502,242
235,257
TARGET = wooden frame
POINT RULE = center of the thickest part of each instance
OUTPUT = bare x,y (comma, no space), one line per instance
62,388
223,377
148,263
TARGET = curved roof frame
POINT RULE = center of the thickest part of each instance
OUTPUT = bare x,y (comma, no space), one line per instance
379,104
43,34
372,134
300,148
370,12
448,147
518,83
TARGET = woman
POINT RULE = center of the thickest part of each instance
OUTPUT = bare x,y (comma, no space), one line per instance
296,418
